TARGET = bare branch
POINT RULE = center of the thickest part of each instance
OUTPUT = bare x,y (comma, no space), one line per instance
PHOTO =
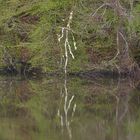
65,34
127,46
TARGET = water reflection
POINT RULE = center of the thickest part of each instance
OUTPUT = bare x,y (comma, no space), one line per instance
72,108
63,115
124,90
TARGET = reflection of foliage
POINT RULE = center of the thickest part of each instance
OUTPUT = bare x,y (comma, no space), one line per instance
98,103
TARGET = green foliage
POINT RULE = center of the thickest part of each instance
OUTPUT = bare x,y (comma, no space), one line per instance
135,21
36,24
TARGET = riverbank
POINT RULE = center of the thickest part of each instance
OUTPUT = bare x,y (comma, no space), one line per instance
89,74
33,37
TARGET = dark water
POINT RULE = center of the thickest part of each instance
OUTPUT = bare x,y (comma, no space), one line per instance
72,109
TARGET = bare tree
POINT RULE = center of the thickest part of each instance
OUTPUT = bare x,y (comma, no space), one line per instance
126,63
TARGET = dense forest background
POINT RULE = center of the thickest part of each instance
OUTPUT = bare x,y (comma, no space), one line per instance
77,35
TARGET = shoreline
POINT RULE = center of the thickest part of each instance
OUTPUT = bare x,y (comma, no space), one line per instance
89,74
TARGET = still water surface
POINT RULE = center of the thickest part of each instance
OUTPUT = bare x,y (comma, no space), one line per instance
72,109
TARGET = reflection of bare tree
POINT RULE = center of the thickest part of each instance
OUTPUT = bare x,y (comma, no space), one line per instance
125,87
121,92
116,93
65,115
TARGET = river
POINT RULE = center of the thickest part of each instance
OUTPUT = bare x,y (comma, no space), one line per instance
53,108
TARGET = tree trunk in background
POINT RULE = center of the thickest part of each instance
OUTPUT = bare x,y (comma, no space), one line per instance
125,61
